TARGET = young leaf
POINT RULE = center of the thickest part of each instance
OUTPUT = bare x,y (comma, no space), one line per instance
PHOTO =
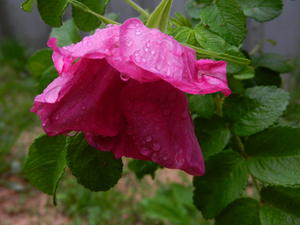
226,18
45,163
244,211
142,168
261,10
52,11
272,216
85,21
275,156
213,135
259,109
193,8
66,34
202,105
274,62
94,169
27,5
286,199
224,181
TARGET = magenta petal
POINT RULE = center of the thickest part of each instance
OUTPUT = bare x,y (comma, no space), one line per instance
164,58
96,46
161,127
86,100
213,76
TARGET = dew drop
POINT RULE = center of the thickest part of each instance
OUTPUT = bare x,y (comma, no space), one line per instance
138,32
148,139
56,117
89,43
146,49
153,52
144,60
148,44
156,147
145,151
124,77
43,124
83,108
129,43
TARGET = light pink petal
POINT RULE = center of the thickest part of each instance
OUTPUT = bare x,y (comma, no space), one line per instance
161,127
95,46
163,58
85,100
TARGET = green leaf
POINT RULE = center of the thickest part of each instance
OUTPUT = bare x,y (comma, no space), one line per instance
275,156
224,181
261,10
193,8
274,62
272,216
226,18
246,73
40,65
52,11
286,199
244,211
265,77
27,5
40,61
257,110
212,41
94,169
45,163
85,21
172,204
66,34
142,168
202,105
213,135
184,35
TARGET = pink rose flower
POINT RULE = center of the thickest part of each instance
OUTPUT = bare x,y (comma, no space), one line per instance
123,87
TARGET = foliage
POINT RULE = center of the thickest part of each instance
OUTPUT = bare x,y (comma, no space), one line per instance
250,139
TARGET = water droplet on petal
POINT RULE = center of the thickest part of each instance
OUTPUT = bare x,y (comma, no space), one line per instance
153,52
145,151
156,147
124,77
56,117
149,139
129,43
89,43
144,60
148,44
83,108
138,32
43,124
146,49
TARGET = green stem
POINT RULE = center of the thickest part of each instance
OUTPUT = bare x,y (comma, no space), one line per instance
137,8
85,8
241,147
219,105
226,57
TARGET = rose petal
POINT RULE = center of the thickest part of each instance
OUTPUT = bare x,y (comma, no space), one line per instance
86,100
160,125
164,58
95,46
213,76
